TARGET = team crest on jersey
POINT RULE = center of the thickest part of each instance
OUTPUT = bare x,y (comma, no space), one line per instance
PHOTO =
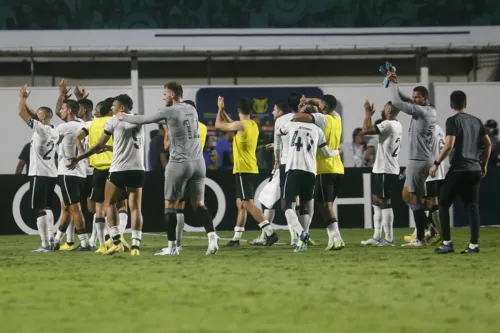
260,105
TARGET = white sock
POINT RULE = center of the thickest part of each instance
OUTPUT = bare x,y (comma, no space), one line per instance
414,234
84,239
123,217
59,236
447,242
92,238
304,221
266,227
171,244
179,229
238,232
114,232
49,226
293,220
136,237
377,222
310,209
293,234
436,219
269,215
42,231
100,233
106,227
70,233
473,246
387,221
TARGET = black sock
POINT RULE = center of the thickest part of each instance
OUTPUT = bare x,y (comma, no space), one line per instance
206,219
419,216
106,237
170,219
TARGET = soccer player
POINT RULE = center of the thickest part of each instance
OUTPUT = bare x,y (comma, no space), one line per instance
42,168
432,190
270,194
385,172
71,180
303,139
422,143
466,137
182,204
186,172
101,163
245,167
330,169
125,174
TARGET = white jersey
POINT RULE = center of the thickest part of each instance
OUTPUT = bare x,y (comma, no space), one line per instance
43,147
281,142
128,145
88,168
304,140
388,147
443,168
320,119
68,149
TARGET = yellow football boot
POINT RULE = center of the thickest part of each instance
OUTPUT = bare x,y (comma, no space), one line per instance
114,249
67,247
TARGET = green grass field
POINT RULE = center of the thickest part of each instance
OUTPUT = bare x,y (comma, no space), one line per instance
252,289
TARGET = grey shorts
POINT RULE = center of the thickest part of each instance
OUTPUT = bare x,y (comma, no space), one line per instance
416,174
185,180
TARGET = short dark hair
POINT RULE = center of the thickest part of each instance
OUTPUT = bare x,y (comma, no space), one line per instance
190,102
422,90
294,101
152,134
104,108
458,100
246,106
125,100
109,100
87,104
73,105
175,87
283,106
330,102
48,111
394,109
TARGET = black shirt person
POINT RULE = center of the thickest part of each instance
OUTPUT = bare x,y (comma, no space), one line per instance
469,147
24,160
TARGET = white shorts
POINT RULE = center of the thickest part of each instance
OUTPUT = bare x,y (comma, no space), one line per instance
271,193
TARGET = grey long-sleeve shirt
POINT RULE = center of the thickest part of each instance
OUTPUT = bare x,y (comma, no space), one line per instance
183,131
423,122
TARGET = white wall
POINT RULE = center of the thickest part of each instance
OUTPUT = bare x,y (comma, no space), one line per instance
14,134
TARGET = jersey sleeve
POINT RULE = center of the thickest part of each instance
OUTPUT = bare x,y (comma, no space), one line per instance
383,126
109,127
86,127
402,103
39,128
284,129
321,139
319,120
162,115
451,127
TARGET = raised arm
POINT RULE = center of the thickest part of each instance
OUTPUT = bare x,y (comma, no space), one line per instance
23,108
222,124
63,94
368,127
303,118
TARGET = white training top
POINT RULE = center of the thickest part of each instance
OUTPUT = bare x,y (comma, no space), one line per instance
88,168
445,164
281,142
388,147
304,140
68,149
42,150
128,145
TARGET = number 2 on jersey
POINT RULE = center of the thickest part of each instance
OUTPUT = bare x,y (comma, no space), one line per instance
135,131
47,156
396,151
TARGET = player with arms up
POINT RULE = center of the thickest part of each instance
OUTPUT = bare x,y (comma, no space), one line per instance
330,169
125,174
304,140
422,146
186,172
245,167
385,170
42,168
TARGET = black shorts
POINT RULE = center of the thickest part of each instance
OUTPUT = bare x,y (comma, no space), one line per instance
383,184
87,187
127,179
299,183
328,186
433,188
282,179
244,186
42,190
71,188
98,185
